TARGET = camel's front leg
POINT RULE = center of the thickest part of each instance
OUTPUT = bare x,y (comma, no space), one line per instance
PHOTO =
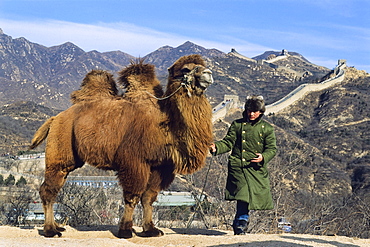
125,226
149,230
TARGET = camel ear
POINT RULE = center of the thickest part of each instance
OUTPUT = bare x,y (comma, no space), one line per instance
170,71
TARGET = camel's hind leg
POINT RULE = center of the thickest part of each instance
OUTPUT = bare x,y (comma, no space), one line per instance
54,181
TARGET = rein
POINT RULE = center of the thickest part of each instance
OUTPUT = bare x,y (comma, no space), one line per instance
169,96
199,200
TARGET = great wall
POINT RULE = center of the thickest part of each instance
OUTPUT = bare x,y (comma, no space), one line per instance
232,101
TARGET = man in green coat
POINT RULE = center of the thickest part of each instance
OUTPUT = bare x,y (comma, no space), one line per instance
252,143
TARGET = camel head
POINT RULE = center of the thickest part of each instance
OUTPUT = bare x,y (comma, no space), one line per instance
191,71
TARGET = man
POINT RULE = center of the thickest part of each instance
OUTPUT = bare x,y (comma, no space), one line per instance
252,143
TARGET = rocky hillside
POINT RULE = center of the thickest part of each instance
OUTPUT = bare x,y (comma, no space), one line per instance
299,164
336,121
18,122
238,76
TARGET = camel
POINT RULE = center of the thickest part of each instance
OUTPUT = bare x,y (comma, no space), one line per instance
147,136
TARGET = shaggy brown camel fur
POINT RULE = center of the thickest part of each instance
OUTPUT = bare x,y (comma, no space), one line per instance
146,140
96,84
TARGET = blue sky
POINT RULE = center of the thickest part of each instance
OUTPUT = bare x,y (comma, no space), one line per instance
323,31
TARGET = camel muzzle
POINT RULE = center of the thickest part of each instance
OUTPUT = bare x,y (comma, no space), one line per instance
205,79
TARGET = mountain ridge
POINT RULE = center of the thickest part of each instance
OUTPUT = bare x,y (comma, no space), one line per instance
58,70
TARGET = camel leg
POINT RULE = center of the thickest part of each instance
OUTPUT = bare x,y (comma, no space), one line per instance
160,178
125,225
54,181
149,230
133,178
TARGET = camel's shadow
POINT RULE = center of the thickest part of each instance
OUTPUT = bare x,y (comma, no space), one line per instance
197,231
113,229
103,228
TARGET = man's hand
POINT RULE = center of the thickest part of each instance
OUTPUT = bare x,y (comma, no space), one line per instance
212,148
258,159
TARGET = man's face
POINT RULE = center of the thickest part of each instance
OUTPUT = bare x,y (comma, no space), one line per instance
253,115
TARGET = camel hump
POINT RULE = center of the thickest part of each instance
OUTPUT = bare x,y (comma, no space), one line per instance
96,84
139,76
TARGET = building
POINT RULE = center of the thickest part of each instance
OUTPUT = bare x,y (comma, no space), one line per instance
93,181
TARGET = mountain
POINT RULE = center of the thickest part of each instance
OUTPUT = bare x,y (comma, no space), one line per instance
47,75
268,54
165,56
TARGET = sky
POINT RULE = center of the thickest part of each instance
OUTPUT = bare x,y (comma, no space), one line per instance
323,31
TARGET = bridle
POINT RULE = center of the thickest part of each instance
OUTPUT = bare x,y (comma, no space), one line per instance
186,81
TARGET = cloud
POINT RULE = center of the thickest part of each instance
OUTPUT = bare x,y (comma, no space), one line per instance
132,39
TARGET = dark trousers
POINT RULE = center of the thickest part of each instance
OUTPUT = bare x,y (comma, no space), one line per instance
242,211
241,218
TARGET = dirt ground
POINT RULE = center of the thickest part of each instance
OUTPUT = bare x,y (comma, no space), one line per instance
177,237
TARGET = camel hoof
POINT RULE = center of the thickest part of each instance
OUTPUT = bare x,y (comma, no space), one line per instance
153,233
60,229
52,233
53,230
128,233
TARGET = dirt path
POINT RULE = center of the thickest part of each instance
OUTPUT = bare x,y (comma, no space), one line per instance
105,237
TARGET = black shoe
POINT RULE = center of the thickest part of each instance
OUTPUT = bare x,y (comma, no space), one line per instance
239,231
239,227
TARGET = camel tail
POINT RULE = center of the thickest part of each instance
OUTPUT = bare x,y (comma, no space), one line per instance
41,133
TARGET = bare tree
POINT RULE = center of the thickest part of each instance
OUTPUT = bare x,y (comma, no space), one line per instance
16,204
85,205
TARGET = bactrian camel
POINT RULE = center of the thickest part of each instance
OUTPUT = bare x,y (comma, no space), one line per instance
147,136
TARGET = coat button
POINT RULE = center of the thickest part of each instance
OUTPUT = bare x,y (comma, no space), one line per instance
243,140
243,131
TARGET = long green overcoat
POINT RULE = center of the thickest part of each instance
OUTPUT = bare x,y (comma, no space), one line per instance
248,181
